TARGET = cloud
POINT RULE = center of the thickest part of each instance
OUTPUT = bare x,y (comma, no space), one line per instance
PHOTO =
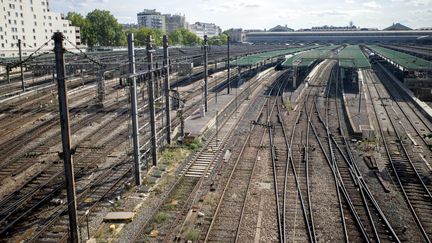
372,4
252,5
254,14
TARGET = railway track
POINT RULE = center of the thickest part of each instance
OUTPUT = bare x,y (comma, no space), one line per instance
226,222
37,190
365,204
414,189
416,126
188,187
298,217
47,184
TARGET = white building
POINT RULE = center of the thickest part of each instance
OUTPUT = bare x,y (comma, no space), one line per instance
201,29
151,19
31,22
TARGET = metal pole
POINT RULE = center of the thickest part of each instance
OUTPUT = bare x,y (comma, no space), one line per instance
238,86
65,133
229,66
249,85
53,74
100,86
151,100
167,89
8,74
217,128
181,123
88,227
205,74
134,110
21,66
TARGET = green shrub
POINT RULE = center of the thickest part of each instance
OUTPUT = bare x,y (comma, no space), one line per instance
192,235
160,217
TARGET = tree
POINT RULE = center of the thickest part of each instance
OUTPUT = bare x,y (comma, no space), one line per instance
184,37
79,21
218,40
175,37
141,34
104,29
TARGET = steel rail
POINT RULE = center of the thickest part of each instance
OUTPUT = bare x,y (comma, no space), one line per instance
407,199
218,207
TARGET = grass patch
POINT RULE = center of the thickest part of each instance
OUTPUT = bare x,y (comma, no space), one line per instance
196,144
192,235
172,155
288,105
161,217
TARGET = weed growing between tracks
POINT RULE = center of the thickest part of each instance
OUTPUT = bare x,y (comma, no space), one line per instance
131,200
192,234
195,145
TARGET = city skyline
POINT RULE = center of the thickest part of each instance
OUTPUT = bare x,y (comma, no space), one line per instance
252,14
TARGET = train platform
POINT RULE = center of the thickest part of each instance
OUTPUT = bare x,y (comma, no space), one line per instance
199,122
424,108
355,100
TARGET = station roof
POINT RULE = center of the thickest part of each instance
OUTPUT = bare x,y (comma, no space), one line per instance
257,58
407,61
307,58
352,57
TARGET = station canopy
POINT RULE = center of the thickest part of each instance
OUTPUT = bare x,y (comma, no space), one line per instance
254,59
404,60
307,58
352,57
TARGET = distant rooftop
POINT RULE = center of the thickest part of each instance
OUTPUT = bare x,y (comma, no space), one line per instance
149,12
397,26
334,28
280,28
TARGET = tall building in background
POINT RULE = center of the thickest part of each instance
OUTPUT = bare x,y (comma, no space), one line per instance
175,22
236,35
151,19
31,22
201,29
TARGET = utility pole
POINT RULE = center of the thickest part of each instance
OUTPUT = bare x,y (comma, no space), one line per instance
151,100
167,89
217,128
21,65
100,86
205,74
238,86
229,66
65,133
8,74
134,109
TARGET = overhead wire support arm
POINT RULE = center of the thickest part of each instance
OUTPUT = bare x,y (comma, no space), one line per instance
84,54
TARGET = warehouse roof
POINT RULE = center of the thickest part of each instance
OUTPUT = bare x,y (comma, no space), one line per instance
407,61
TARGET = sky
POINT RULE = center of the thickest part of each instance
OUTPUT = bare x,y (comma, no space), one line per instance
265,14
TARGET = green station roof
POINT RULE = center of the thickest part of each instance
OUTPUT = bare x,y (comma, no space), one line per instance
307,58
407,61
257,58
352,57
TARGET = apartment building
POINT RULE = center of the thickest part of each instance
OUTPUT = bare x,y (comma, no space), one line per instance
32,22
150,18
